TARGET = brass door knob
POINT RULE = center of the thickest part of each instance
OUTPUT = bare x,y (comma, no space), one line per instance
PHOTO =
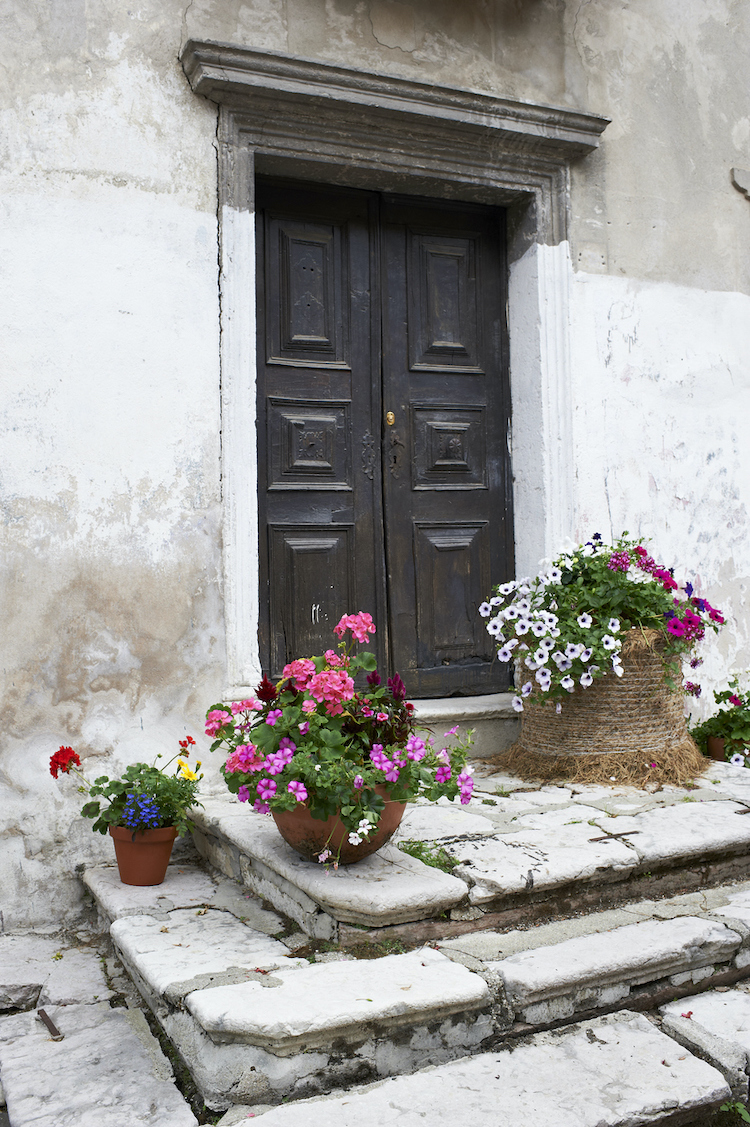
390,418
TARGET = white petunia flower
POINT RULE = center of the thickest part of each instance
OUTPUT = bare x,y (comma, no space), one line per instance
573,650
524,605
586,679
564,664
613,625
540,656
539,629
738,759
485,610
553,604
586,655
523,626
510,613
555,632
568,683
558,708
609,642
618,670
531,664
507,588
496,601
505,654
584,621
547,644
517,704
495,628
543,677
512,643
558,656
554,575
526,689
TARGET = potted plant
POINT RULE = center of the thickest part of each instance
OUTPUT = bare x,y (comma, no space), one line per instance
726,734
601,613
146,809
332,763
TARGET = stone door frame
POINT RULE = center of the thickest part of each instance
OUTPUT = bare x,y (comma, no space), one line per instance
292,117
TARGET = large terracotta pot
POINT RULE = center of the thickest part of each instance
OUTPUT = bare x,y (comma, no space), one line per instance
145,859
309,836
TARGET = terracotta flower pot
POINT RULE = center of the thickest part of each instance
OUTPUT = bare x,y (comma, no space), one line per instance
145,859
716,748
309,836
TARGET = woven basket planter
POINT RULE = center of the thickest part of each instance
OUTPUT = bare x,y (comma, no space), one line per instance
628,729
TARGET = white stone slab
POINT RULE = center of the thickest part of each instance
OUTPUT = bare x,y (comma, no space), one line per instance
726,1015
389,887
312,1006
107,1071
184,886
738,907
616,1071
729,780
433,823
190,947
634,953
46,971
535,859
689,829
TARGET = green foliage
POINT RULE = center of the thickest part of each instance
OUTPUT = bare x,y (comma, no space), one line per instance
737,1108
730,723
433,855
316,737
173,795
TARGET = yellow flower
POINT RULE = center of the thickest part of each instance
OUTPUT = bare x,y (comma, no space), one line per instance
185,770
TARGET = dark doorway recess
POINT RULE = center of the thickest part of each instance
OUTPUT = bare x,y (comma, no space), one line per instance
383,417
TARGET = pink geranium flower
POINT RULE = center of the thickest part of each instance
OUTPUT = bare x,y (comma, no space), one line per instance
299,672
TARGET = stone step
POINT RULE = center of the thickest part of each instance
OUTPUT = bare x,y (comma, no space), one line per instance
253,1022
618,1070
521,855
492,719
107,1071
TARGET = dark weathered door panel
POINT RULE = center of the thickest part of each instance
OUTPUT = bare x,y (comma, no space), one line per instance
446,485
321,545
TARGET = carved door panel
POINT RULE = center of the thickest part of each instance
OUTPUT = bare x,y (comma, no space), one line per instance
446,481
383,468
321,545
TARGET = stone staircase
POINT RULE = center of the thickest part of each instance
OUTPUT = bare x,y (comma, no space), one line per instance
547,978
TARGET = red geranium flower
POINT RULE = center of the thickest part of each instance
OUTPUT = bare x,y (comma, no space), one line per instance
63,760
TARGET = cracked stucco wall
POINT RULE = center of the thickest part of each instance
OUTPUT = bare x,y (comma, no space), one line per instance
113,636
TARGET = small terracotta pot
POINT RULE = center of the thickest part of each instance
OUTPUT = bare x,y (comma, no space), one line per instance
309,836
716,748
145,859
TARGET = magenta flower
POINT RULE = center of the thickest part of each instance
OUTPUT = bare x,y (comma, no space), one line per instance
274,715
359,782
382,717
415,748
243,794
261,807
266,789
298,789
304,727
443,773
736,701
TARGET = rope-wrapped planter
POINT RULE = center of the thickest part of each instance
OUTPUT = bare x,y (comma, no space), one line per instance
628,730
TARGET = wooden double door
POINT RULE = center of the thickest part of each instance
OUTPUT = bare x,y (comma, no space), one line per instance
383,420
